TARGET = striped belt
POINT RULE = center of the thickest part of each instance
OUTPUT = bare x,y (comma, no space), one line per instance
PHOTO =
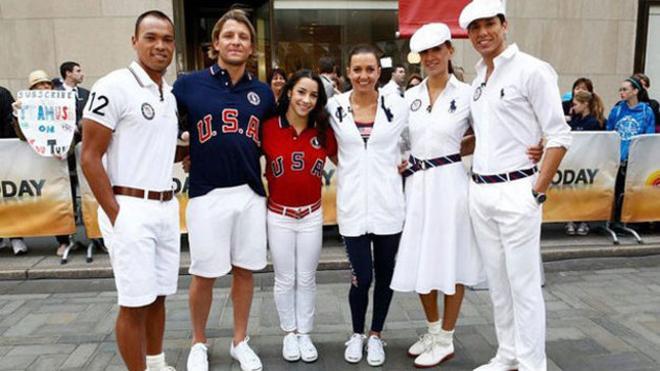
417,164
505,177
294,212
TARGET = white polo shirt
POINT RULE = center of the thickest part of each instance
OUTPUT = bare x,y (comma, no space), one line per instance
369,187
144,125
391,88
438,132
519,104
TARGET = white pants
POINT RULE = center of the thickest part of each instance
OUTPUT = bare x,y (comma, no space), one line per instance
507,226
295,246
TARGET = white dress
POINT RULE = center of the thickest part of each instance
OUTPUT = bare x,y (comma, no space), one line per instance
437,249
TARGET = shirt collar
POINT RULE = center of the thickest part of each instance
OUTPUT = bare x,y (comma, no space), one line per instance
67,87
218,71
142,77
283,122
505,56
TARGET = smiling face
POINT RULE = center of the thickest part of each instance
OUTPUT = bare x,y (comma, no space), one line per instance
488,36
277,82
363,72
303,97
154,43
234,43
436,60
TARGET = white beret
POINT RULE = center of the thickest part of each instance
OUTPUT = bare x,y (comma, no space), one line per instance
480,9
429,36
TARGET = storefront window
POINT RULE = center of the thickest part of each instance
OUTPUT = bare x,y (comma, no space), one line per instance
305,31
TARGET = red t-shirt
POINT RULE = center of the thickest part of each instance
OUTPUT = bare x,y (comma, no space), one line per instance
294,163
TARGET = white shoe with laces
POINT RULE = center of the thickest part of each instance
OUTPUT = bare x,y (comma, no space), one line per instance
354,348
248,359
308,351
441,349
198,358
19,246
375,351
290,349
424,342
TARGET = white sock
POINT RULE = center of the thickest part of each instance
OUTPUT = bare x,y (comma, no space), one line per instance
156,362
435,327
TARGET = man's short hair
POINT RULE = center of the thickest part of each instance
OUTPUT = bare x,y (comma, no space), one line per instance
399,65
327,65
67,67
151,13
237,15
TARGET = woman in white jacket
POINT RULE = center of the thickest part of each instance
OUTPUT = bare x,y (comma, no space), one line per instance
370,202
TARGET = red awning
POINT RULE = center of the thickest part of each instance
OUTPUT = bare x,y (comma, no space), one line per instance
415,13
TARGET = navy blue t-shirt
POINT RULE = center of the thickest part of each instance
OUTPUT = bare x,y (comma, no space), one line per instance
223,121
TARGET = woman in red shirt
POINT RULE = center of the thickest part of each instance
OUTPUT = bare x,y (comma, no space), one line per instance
296,143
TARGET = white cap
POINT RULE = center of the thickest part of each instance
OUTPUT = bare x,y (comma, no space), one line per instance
480,9
429,36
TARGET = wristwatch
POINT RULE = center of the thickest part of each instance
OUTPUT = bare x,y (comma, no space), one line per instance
540,197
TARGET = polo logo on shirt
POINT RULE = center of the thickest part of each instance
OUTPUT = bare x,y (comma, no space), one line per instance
253,98
415,105
148,111
478,91
452,106
315,143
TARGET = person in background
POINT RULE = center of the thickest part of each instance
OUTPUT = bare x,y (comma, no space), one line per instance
327,71
587,115
655,106
277,81
413,80
397,82
581,84
37,80
631,116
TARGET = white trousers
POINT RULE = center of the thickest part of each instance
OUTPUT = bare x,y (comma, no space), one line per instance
507,226
295,246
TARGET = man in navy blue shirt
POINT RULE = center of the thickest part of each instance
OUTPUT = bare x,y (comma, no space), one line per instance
226,216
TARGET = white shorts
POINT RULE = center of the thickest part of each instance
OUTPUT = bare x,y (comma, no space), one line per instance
144,248
226,227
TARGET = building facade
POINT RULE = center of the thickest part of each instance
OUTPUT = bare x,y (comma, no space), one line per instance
605,40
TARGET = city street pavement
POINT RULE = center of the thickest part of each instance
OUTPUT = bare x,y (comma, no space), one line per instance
603,314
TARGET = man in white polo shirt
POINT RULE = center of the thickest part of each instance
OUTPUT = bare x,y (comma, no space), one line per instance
515,103
131,119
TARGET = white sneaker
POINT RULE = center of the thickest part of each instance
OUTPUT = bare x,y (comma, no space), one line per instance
308,351
375,351
441,349
19,246
354,348
290,350
248,359
497,364
423,343
198,358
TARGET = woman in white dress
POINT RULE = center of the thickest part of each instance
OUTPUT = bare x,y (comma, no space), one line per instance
437,250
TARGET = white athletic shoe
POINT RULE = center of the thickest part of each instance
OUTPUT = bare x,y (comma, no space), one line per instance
248,359
423,343
308,351
375,351
19,246
441,349
198,358
290,349
354,348
497,364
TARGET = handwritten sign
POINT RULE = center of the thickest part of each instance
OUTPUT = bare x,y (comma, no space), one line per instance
48,120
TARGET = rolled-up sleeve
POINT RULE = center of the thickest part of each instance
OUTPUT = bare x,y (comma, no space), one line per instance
545,100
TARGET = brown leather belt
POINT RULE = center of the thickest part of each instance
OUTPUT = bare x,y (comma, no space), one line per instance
294,212
139,193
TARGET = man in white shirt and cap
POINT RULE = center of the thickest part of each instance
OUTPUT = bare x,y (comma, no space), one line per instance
515,103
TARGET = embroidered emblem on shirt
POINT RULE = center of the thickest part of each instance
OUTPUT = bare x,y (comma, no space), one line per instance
315,143
502,93
253,98
452,106
415,105
340,114
478,91
148,111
